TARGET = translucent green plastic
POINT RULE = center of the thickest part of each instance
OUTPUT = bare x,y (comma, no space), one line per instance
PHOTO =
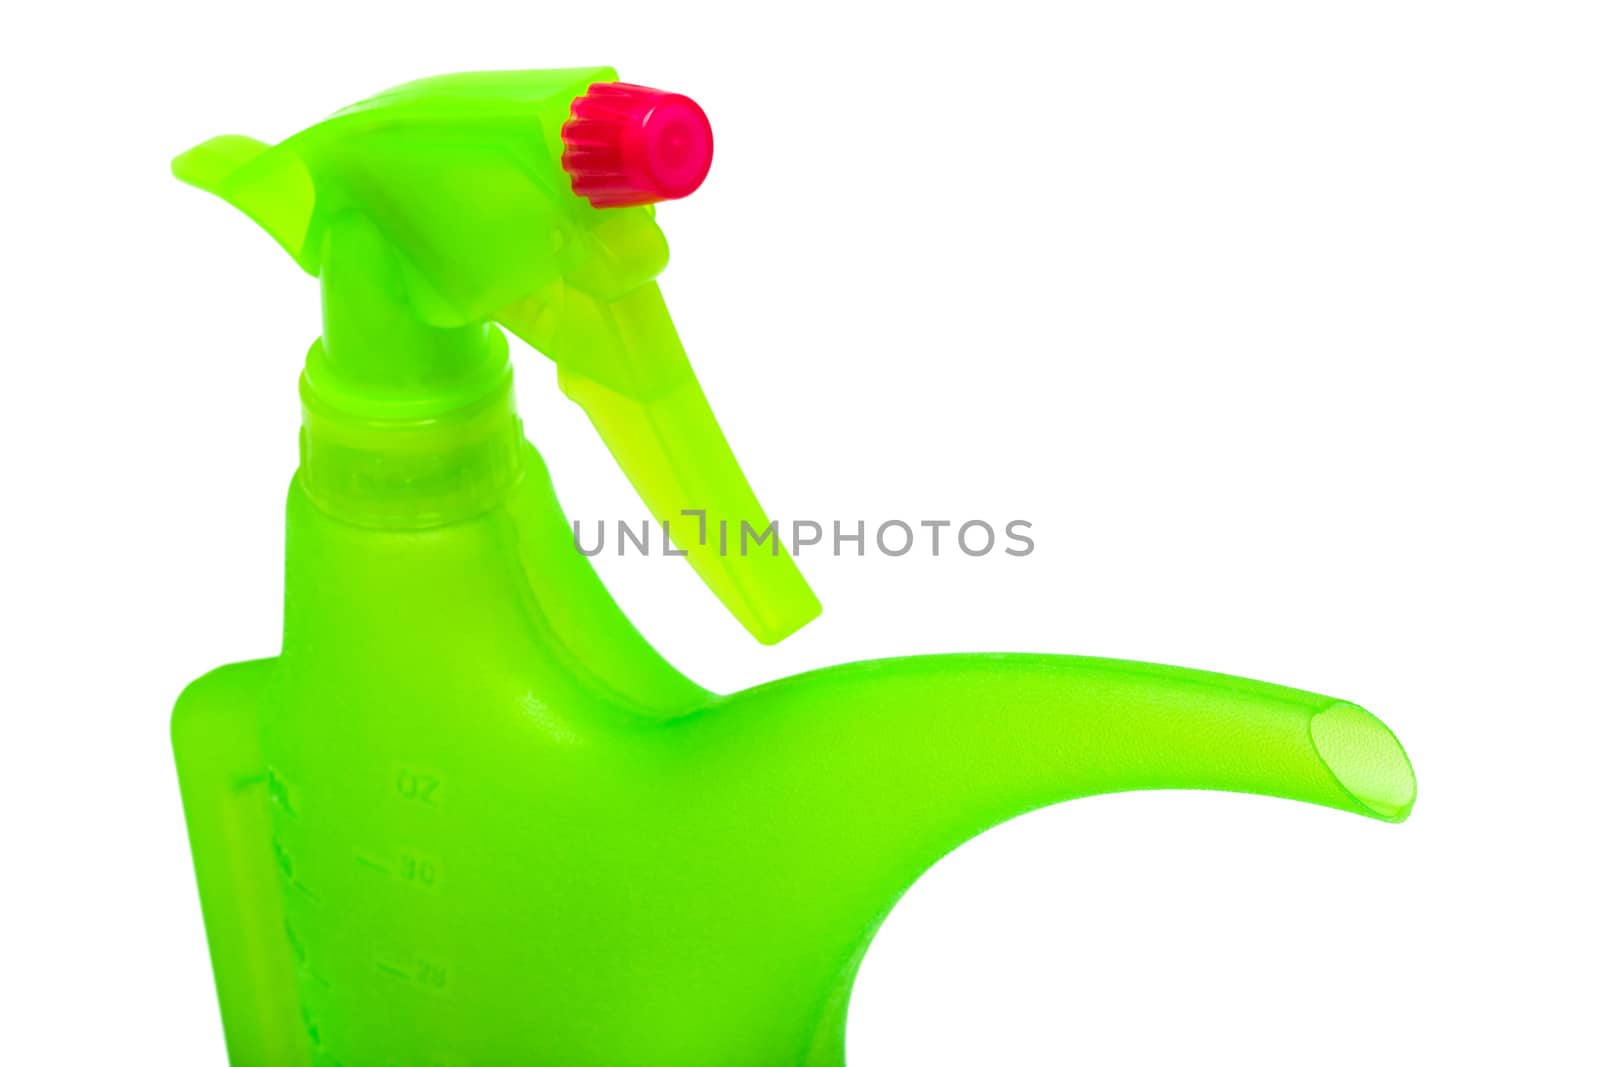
468,816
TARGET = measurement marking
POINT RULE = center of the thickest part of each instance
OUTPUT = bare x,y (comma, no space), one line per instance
431,975
393,971
368,861
281,855
417,870
295,947
417,787
278,790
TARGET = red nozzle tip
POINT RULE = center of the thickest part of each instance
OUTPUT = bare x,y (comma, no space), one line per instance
627,145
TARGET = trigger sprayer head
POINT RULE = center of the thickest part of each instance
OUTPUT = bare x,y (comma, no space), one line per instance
439,210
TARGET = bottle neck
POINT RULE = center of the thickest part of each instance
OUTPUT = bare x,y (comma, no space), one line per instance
410,472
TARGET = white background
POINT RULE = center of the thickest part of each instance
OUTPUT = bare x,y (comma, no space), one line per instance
1278,320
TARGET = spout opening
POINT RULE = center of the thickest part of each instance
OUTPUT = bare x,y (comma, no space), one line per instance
1364,757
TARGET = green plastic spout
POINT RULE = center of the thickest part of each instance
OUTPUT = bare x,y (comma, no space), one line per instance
852,781
468,817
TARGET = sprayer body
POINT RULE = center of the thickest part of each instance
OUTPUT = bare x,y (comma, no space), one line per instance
468,817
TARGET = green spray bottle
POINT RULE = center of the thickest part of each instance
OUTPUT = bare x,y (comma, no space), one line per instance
468,816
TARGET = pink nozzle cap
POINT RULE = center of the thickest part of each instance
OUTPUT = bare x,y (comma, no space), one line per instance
627,145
